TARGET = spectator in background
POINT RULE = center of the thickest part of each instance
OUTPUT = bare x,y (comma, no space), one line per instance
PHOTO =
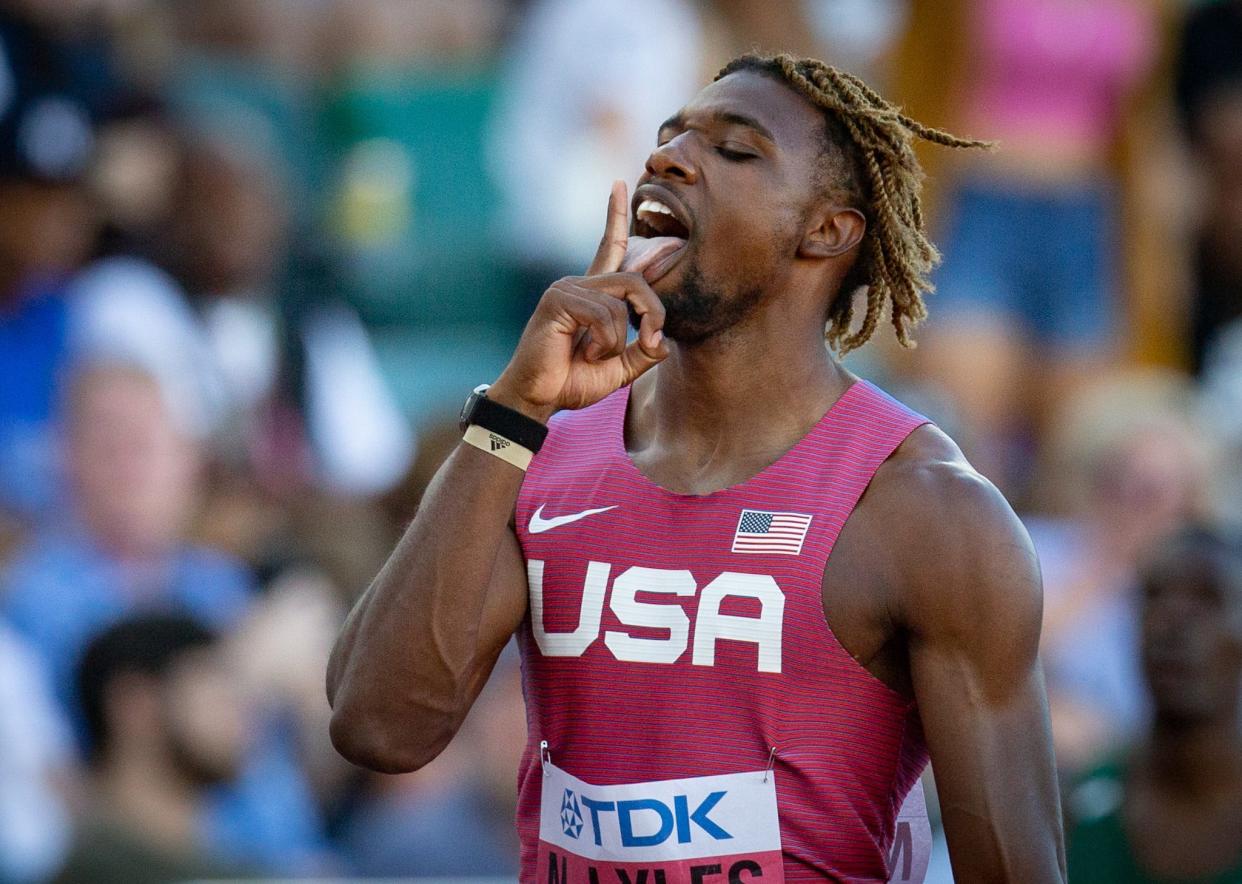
36,765
127,310
164,722
1209,98
133,475
1171,808
1027,295
46,230
58,84
1129,463
278,655
133,478
411,207
586,86
303,396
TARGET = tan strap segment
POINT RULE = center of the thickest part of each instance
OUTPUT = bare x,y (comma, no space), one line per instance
493,443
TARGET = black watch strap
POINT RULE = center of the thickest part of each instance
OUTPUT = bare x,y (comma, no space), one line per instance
502,420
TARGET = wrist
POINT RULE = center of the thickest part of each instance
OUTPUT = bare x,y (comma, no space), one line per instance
503,393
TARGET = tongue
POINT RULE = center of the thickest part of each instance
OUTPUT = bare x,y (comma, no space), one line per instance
643,252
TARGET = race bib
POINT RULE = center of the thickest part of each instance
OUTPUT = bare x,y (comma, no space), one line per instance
912,840
702,830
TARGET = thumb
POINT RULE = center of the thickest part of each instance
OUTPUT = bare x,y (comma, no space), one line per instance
637,359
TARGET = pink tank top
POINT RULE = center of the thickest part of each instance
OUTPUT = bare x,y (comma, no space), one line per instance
1057,66
674,636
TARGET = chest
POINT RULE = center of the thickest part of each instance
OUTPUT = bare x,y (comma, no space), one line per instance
748,582
781,572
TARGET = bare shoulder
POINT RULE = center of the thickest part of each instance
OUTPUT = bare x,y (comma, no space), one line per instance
961,556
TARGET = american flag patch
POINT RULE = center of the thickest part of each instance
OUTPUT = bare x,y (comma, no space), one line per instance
764,532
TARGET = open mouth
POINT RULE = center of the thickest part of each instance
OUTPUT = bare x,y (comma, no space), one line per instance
653,218
660,238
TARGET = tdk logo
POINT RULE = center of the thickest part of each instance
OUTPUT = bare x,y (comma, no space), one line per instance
641,822
571,815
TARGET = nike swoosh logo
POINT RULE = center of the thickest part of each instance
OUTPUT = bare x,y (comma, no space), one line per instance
538,524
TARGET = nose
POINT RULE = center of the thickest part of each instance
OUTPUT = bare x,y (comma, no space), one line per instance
670,160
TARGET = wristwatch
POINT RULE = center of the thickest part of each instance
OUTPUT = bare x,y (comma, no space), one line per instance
501,420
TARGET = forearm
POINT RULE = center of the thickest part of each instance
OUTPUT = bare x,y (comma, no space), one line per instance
400,674
1002,815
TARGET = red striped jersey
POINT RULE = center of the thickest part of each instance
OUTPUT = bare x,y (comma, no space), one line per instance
674,636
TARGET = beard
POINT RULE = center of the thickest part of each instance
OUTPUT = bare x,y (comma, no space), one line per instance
697,311
199,768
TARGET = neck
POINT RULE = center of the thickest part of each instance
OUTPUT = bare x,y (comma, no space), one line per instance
157,802
1197,757
757,387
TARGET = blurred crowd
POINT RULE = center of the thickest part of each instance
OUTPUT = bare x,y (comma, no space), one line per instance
254,253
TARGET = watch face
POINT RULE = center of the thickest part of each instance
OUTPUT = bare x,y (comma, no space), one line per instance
463,419
467,409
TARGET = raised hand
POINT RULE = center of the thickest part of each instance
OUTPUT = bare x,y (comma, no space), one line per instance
573,352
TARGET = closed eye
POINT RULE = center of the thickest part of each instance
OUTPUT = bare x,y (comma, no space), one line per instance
735,156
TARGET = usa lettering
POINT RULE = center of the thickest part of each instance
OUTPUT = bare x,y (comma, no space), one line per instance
711,625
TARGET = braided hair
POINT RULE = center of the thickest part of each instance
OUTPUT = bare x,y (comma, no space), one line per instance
870,164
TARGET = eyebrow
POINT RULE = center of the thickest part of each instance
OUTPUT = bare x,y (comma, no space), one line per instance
678,121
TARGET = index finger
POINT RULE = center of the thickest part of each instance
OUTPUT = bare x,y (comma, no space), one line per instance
616,233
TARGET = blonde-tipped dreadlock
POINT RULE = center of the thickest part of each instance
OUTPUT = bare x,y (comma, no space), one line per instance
896,255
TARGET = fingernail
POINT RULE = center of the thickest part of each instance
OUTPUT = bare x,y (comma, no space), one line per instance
657,338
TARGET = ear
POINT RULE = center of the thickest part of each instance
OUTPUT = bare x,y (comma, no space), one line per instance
833,231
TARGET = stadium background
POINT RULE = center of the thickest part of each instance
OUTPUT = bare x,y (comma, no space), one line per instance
254,253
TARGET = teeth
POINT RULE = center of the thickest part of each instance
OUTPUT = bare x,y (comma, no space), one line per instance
653,206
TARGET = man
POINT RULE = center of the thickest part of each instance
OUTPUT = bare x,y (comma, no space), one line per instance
133,473
165,722
708,725
1187,777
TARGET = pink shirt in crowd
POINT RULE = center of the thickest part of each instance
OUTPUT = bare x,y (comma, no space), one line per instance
1057,67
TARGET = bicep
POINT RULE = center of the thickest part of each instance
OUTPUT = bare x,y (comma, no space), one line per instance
975,669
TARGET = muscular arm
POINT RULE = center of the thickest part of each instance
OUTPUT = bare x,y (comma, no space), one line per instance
971,612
